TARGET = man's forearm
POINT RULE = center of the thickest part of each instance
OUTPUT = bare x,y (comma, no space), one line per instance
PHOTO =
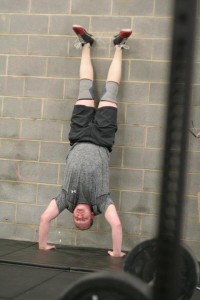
117,239
43,233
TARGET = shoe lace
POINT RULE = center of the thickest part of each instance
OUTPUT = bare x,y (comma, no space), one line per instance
77,44
124,46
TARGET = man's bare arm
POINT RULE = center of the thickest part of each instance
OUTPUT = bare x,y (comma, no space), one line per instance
112,218
45,221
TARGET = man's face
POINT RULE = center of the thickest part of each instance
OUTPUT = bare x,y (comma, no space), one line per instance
83,216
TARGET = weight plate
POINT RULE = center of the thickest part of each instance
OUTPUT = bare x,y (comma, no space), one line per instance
141,262
108,286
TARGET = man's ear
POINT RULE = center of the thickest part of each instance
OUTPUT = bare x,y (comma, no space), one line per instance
92,215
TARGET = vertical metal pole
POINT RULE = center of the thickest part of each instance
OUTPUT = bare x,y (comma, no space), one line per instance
174,164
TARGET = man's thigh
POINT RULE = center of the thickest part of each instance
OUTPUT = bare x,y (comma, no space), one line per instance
82,117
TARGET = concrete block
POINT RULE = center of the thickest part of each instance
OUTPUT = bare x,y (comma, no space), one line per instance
53,152
149,27
142,158
29,24
192,184
121,115
63,67
196,77
194,116
152,115
197,51
101,240
9,128
158,93
116,157
41,130
17,232
13,44
71,89
50,6
2,65
155,137
163,8
130,223
7,212
161,49
19,149
38,172
28,214
149,71
128,135
195,94
91,7
191,207
44,87
46,193
65,131
9,170
27,66
194,246
139,202
12,86
4,23
149,225
22,108
191,229
48,45
152,181
10,6
193,163
133,92
92,239
193,144
130,242
133,8
58,109
125,179
17,192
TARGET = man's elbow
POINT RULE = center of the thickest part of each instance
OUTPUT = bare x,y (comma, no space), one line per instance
117,225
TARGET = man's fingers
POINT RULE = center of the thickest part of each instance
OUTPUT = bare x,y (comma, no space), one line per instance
111,253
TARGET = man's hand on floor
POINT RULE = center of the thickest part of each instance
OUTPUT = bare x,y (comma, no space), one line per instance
113,254
47,247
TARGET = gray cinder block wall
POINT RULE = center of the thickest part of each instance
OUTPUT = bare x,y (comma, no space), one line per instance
39,69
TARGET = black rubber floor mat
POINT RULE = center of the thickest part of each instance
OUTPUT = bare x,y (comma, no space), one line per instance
86,259
16,280
10,246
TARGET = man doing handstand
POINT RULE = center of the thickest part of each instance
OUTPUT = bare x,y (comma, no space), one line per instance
85,190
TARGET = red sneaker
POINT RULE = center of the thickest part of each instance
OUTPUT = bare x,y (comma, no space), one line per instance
83,36
121,38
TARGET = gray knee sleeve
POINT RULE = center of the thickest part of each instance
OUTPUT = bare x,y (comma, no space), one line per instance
86,90
111,91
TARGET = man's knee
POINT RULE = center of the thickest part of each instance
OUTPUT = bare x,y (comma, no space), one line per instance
86,91
111,92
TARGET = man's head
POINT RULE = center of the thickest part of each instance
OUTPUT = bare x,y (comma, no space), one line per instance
83,216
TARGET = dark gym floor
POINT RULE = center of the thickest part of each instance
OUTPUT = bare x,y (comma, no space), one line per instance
27,273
